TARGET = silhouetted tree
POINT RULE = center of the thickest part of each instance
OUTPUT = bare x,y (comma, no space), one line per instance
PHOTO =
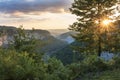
93,35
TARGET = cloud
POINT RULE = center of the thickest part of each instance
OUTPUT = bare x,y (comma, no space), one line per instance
36,13
28,6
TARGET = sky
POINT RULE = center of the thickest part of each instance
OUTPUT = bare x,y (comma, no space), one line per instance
38,14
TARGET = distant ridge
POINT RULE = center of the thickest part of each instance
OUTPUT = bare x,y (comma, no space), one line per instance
57,32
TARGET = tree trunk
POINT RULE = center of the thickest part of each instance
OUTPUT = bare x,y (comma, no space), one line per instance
99,46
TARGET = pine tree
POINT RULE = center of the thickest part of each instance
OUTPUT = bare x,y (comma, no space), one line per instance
23,41
93,34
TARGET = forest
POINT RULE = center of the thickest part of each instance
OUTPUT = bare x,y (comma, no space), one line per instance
37,55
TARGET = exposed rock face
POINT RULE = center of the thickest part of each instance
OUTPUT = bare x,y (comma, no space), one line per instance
39,34
7,34
3,40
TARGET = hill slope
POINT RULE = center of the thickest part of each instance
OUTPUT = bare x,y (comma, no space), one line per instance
67,54
67,37
46,42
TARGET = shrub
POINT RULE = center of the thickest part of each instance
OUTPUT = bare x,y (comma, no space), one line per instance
115,62
19,66
91,64
95,63
56,70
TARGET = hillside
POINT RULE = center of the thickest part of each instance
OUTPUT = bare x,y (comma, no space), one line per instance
46,42
67,37
68,53
57,32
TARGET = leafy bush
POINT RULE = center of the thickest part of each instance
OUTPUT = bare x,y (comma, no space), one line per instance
91,64
75,70
56,70
95,63
115,63
19,66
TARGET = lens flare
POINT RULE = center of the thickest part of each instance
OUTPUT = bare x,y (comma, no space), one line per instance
106,22
97,22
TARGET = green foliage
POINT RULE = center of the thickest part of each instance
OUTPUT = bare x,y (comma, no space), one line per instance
109,75
69,55
115,62
76,70
95,68
95,64
19,66
23,41
94,38
57,71
89,65
106,75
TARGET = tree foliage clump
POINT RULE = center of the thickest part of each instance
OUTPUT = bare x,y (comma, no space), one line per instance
19,66
23,41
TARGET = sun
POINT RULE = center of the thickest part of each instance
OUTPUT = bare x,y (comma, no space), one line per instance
106,22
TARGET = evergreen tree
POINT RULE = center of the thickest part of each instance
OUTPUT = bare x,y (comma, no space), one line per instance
94,32
23,41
